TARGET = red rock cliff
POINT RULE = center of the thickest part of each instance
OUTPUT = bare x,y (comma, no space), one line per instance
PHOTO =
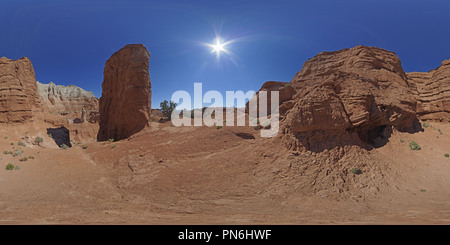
125,105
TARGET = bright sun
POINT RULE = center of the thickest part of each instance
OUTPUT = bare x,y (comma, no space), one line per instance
218,47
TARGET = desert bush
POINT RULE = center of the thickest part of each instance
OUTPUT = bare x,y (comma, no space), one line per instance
414,146
439,130
31,157
9,166
356,171
446,155
39,140
111,140
18,152
219,127
6,137
12,143
23,159
425,125
167,108
85,147
114,146
288,85
63,146
20,143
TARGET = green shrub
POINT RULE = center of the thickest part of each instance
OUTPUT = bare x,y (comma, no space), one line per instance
16,168
414,146
439,130
114,146
219,127
12,143
9,166
85,147
63,146
288,85
446,155
401,141
21,144
111,140
31,157
356,171
18,152
425,125
5,152
6,137
23,159
39,140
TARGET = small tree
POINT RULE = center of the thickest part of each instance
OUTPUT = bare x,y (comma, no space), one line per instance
167,108
38,140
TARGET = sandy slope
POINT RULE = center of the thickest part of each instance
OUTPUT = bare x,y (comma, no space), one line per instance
201,175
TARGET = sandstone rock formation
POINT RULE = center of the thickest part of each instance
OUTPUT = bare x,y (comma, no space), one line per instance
68,101
125,105
432,90
286,92
18,92
349,96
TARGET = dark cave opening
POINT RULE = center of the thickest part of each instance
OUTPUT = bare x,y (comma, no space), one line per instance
376,136
61,136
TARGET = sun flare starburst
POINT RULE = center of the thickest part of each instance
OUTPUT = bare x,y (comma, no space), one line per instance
218,46
221,48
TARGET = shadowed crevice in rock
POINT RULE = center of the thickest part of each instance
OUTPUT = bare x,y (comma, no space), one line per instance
60,135
243,135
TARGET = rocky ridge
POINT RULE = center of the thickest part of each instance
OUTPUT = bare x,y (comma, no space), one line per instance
432,91
349,97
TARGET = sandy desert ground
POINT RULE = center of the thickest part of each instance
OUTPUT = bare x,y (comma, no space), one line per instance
204,175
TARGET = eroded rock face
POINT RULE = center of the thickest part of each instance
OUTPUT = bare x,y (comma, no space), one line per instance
125,105
68,101
351,96
432,90
18,91
285,93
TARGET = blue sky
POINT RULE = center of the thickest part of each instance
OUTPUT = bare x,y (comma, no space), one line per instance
69,41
